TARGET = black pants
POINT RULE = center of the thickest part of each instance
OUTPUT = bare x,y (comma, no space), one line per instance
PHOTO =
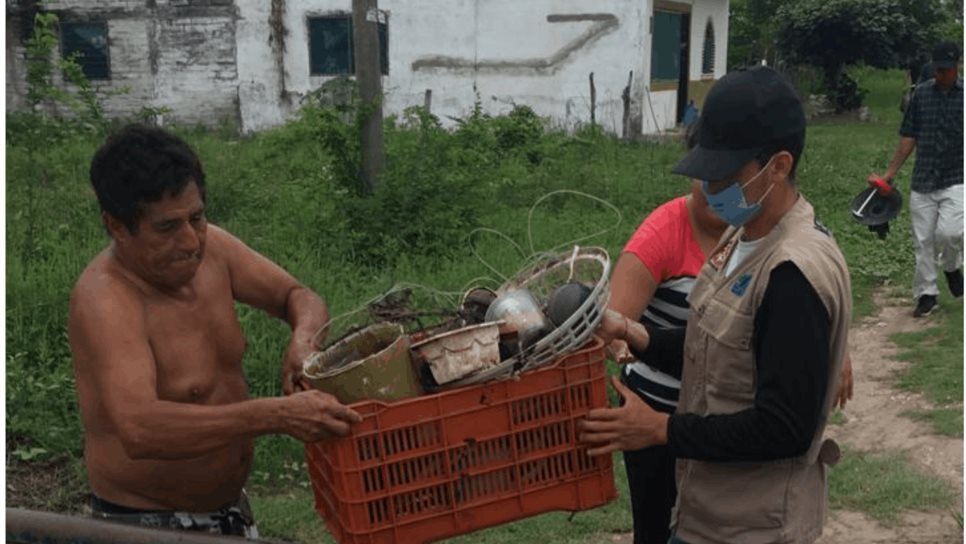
650,477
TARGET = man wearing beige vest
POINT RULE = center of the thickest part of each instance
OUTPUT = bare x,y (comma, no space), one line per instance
762,351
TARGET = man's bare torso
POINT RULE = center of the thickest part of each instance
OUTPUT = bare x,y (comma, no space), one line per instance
197,345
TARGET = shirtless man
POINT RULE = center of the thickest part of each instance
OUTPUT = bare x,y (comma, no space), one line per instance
157,347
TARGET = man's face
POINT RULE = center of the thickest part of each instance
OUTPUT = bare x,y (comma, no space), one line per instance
946,77
170,240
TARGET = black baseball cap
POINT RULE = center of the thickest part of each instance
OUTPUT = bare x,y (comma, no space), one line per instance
745,111
946,55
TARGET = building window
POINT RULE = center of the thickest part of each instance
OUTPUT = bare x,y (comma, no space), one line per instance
707,56
330,46
87,43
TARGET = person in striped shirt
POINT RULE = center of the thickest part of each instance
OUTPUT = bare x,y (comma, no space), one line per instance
651,282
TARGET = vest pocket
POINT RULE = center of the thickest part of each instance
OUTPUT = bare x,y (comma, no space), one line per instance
730,361
731,327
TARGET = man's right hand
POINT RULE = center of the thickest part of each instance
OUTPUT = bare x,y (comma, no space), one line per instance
313,415
887,177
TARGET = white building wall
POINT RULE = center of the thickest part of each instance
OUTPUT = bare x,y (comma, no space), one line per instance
197,74
260,73
178,54
211,60
659,111
131,86
530,53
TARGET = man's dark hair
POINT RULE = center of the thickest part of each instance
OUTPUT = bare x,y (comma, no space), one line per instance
141,164
794,144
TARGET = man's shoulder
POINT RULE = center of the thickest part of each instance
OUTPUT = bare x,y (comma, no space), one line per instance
221,243
807,242
103,288
924,90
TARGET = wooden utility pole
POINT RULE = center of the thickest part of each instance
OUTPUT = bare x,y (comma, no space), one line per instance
626,99
593,101
365,52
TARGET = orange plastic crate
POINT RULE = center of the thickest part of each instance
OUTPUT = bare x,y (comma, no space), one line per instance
441,465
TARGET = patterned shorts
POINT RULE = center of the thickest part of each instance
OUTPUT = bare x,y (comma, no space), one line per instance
234,519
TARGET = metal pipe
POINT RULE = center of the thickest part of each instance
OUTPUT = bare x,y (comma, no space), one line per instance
31,526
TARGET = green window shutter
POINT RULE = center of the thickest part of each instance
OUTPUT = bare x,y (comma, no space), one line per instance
666,46
330,46
384,48
87,43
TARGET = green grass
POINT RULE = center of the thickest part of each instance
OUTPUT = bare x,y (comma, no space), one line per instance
837,418
884,485
936,355
289,515
944,421
838,157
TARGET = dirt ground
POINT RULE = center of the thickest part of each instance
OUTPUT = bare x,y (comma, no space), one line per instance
874,424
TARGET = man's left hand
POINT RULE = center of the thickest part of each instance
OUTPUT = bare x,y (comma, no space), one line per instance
292,378
633,426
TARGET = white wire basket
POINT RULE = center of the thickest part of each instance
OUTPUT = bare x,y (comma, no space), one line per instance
590,266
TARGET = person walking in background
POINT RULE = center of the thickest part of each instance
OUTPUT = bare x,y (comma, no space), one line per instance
933,126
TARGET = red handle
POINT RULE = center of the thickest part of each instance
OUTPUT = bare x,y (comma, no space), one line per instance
881,186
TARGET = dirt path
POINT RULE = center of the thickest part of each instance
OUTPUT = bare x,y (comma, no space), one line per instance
874,424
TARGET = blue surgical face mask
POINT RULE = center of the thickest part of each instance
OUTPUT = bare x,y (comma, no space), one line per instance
730,204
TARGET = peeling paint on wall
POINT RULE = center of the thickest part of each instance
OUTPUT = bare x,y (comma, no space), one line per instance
276,40
603,23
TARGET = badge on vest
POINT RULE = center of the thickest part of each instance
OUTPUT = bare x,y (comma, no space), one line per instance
719,259
740,285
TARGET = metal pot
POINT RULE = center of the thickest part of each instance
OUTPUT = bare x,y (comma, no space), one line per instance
522,318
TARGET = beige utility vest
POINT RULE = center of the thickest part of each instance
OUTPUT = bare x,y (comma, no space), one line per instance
755,502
